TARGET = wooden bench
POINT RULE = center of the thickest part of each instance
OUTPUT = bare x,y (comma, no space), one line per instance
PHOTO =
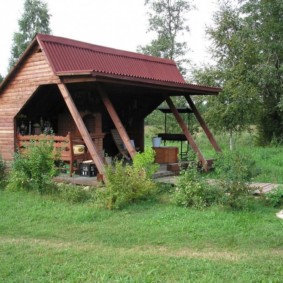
63,148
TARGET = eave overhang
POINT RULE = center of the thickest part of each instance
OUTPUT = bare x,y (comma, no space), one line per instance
176,88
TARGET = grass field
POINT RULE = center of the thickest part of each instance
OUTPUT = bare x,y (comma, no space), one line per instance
43,240
47,239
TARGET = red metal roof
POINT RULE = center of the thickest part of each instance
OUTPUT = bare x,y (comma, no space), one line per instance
70,56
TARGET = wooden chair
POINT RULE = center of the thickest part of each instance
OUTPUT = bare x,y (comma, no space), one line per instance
120,145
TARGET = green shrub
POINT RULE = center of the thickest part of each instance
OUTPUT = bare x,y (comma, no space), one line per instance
275,197
145,161
126,184
235,171
235,166
193,191
2,173
35,169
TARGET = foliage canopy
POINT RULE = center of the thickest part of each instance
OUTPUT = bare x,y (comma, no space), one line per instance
167,19
35,19
247,41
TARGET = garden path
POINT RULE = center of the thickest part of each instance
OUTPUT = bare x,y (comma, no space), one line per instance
261,188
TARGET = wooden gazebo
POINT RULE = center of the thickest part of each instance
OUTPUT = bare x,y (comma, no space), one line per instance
87,90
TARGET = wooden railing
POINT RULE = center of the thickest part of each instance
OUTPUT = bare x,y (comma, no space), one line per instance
63,147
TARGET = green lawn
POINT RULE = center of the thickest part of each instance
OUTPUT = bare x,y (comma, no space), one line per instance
42,240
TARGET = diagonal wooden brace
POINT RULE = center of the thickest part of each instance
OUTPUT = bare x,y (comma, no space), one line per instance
82,128
117,122
203,124
187,133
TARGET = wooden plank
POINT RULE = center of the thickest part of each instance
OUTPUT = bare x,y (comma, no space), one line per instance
82,128
39,66
78,79
35,71
187,133
203,124
33,81
117,122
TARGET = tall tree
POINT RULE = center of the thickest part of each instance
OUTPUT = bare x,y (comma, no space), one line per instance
248,48
1,78
167,18
35,19
232,110
265,20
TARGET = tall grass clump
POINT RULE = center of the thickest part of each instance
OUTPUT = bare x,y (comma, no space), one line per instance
35,169
74,194
235,172
126,184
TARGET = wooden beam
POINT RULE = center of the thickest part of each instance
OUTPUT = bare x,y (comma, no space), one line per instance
117,122
82,128
203,124
187,133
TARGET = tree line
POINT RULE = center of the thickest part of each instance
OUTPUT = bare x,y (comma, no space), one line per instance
247,39
247,50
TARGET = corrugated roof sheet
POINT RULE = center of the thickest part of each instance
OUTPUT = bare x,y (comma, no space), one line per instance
70,56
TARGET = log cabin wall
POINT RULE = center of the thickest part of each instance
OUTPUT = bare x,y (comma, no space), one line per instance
33,71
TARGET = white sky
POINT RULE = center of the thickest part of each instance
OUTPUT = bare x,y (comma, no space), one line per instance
120,24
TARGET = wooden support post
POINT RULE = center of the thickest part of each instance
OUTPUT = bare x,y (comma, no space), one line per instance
117,122
82,128
203,124
187,133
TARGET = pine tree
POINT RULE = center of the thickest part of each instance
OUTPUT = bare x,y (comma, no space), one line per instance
35,19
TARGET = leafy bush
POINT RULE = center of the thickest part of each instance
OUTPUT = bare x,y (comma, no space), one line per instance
145,161
235,172
35,169
193,191
235,166
126,184
275,197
